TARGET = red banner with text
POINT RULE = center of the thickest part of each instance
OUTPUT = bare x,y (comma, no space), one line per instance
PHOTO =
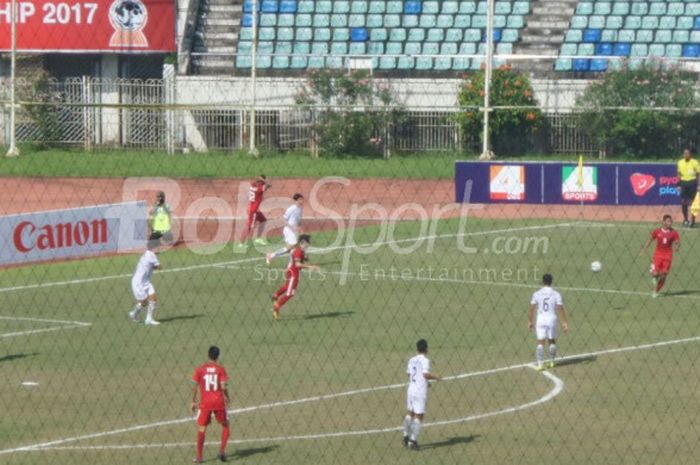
119,26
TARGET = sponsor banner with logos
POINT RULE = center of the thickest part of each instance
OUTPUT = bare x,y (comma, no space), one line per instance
72,233
564,183
119,26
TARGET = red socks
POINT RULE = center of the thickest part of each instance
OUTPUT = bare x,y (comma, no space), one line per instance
200,444
660,284
224,438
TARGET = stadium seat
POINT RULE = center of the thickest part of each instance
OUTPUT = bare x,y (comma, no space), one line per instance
283,47
247,20
626,35
639,8
270,6
667,22
356,20
569,50
341,7
285,20
322,34
650,22
339,20
316,62
397,34
435,35
691,50
413,48
304,34
453,35
573,35
445,21
412,7
657,50
319,48
302,48
268,20
602,8
521,8
608,36
288,6
467,49
335,62
462,21
639,50
392,21
622,49
266,33
427,21
562,64
394,48
596,22
263,61
680,37
604,49
499,21
416,35
379,34
305,6
409,21
685,22
614,22
431,7
357,48
645,36
450,7
375,20
621,8
497,35
358,34
341,34
581,64
584,8
387,63
443,63
515,22
509,35
339,48
598,65
586,50
695,37
633,22
303,20
299,62
673,50
246,33
501,8
394,6
248,6
424,63
244,61
280,62
657,8
460,64
467,7
504,48
323,6
375,48
479,21
448,49
431,48
481,8
322,20
675,9
406,63
358,7
377,7
692,9
579,22
591,35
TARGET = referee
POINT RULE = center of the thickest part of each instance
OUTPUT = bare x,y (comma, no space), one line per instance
688,171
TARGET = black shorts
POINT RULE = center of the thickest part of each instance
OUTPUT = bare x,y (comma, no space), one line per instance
688,189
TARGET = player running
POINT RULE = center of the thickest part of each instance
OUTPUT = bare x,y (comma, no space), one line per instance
667,241
210,379
256,220
141,285
292,227
418,371
550,307
296,264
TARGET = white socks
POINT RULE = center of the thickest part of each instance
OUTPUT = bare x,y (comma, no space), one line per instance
151,309
539,354
407,426
415,429
137,309
552,351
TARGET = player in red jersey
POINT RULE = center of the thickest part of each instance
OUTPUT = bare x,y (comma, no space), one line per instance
210,381
255,218
667,241
296,264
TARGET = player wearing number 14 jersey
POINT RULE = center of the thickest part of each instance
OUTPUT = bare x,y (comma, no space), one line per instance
667,241
549,306
210,381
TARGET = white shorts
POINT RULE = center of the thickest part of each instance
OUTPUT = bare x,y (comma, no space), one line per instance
416,404
290,236
142,291
546,331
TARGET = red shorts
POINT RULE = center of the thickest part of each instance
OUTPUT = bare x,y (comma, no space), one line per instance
254,216
661,264
292,282
204,416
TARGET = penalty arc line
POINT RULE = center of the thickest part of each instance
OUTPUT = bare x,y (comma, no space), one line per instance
254,259
47,445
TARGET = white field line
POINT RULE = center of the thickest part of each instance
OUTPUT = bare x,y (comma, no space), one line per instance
253,259
62,324
58,442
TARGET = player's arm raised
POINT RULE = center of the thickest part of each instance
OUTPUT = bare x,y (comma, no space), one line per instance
531,316
562,316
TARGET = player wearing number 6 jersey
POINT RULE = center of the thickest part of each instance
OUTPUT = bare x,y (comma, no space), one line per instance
210,381
667,240
549,307
418,371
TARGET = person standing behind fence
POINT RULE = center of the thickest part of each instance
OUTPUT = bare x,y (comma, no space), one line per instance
161,220
688,171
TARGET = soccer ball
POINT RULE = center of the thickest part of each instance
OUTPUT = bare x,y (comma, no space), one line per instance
596,266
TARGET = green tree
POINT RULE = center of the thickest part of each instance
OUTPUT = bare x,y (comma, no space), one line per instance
510,129
352,112
639,112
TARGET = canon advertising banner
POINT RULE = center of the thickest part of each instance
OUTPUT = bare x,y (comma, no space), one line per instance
565,183
119,26
72,233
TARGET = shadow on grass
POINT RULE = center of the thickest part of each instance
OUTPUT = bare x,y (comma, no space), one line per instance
243,453
181,317
316,316
576,360
451,442
9,358
677,293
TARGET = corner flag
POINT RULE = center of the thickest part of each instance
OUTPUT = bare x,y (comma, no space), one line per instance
695,206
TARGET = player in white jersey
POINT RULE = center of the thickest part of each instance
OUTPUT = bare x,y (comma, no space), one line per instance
292,227
418,371
549,306
141,285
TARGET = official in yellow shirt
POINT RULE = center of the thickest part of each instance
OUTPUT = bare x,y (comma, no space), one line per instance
688,171
161,222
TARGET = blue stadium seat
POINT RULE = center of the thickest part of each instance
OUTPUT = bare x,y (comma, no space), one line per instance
288,6
591,35
412,7
497,35
358,34
697,23
622,49
604,49
248,6
691,50
270,6
247,20
598,65
581,64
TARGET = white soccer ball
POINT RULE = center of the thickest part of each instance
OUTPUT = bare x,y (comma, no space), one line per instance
596,266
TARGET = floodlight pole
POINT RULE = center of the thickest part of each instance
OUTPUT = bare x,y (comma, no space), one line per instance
252,149
485,153
13,151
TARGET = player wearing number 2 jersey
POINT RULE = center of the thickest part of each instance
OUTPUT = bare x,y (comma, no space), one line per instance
418,371
667,241
210,381
549,307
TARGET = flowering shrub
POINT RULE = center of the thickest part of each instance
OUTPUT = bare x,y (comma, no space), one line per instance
353,112
640,112
510,129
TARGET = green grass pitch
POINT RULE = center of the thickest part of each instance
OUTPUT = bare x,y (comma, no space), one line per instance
111,391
